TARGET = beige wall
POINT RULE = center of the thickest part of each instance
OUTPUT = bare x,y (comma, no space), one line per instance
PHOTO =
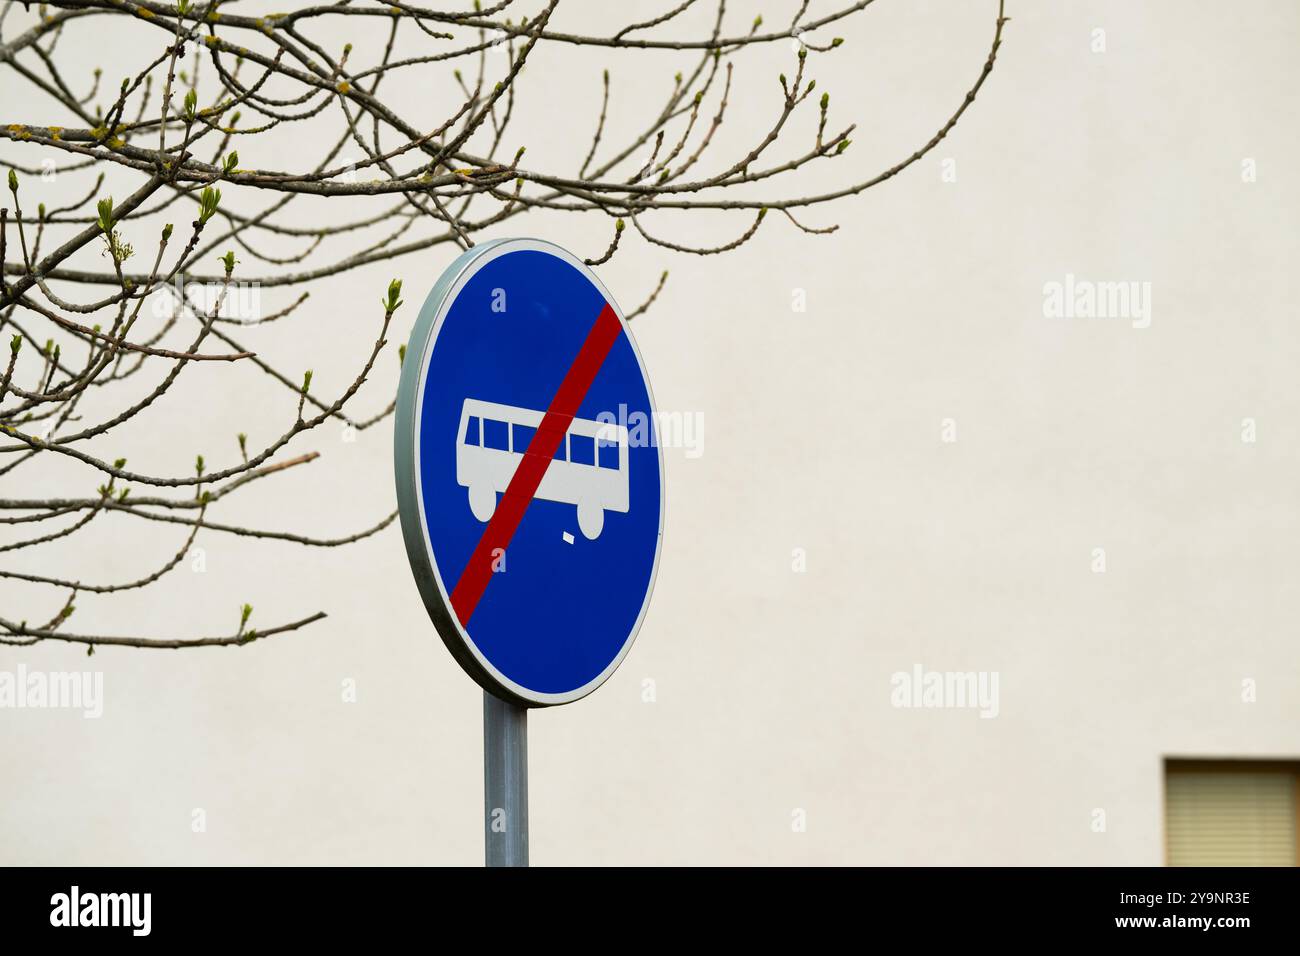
822,432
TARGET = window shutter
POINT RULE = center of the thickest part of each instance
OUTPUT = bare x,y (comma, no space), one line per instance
1230,818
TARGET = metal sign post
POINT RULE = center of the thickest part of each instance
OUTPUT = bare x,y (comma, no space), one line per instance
530,485
505,782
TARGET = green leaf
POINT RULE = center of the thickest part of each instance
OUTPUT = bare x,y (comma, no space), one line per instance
105,208
209,199
394,296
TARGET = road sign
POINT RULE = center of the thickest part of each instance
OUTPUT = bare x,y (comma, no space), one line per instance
532,512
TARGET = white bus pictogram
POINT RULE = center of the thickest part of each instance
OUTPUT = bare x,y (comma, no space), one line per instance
589,469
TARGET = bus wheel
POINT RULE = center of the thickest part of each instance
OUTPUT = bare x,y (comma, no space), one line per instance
482,501
591,518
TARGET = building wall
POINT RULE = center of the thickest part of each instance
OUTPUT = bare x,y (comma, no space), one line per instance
823,430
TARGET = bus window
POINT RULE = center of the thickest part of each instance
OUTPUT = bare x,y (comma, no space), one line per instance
496,435
472,434
607,454
522,436
561,450
582,449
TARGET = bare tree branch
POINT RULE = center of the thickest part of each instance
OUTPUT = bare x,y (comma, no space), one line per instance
86,357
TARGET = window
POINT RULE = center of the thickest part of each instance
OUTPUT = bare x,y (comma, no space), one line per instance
471,431
582,449
496,435
1231,812
607,454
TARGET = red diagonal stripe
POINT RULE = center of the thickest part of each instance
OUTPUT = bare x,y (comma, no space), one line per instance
532,467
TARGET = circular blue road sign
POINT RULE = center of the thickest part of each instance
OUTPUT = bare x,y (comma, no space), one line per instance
529,473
